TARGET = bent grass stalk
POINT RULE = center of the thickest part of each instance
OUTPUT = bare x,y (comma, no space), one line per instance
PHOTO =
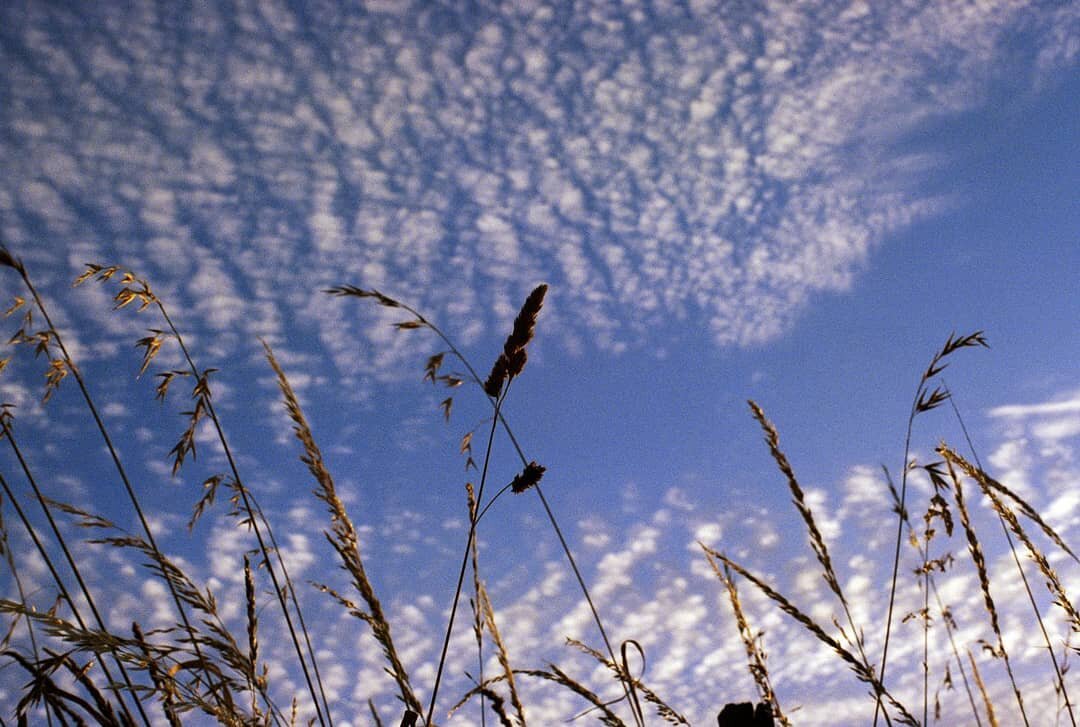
817,541
69,364
1010,522
343,538
755,656
925,399
863,671
136,289
979,560
419,321
1005,514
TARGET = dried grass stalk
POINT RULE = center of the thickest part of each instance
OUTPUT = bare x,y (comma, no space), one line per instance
987,702
622,673
979,560
343,538
986,482
556,675
863,671
756,657
501,652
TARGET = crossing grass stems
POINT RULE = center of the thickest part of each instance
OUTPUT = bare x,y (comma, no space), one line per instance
199,666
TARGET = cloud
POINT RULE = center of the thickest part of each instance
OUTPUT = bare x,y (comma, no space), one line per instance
693,165
1070,404
701,165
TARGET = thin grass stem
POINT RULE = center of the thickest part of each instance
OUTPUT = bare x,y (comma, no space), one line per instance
475,377
73,566
253,510
31,633
1003,513
114,454
461,572
945,616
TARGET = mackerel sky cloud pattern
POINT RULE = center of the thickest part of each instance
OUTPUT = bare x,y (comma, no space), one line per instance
698,169
698,161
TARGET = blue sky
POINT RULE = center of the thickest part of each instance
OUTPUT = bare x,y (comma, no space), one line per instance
790,202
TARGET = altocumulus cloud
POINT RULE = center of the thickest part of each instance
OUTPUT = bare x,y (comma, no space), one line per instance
701,161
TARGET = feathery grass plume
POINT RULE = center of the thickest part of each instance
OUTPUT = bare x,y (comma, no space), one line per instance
343,538
72,368
1053,583
982,480
157,563
64,703
977,558
31,632
252,626
925,399
501,653
64,596
755,655
215,638
188,695
863,671
162,681
246,506
991,716
987,482
1010,522
817,540
6,432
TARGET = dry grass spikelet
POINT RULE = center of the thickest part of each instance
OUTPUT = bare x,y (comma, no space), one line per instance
990,714
987,482
977,557
343,538
621,670
817,540
252,615
756,657
9,260
863,671
501,652
1053,582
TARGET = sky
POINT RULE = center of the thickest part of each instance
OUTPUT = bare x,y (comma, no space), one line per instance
790,202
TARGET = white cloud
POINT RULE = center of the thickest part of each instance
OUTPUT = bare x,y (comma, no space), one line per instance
712,155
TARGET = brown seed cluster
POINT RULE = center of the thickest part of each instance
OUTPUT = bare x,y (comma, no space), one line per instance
527,477
513,357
